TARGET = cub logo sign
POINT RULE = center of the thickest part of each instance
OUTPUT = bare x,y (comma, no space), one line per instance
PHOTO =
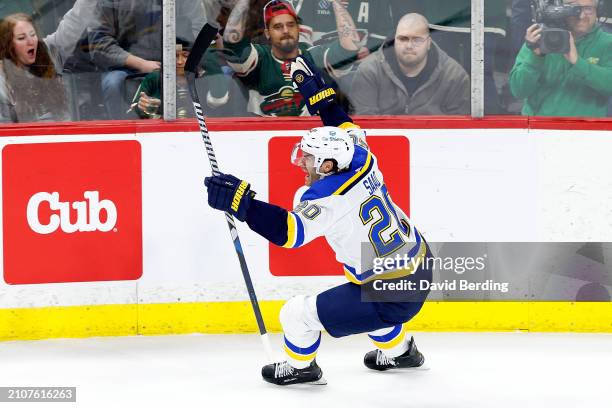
63,220
72,212
317,258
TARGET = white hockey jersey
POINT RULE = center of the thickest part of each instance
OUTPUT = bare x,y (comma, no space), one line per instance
355,213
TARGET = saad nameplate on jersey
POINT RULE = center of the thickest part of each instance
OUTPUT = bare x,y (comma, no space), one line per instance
317,258
72,212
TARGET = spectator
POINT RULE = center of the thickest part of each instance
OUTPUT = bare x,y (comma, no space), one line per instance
73,28
264,69
373,21
31,88
127,39
578,83
411,75
79,73
147,100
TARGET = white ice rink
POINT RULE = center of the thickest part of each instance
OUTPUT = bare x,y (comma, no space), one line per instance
466,370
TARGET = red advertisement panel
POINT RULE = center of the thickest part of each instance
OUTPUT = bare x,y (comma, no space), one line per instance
72,212
317,258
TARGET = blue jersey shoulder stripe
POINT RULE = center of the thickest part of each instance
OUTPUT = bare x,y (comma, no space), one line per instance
357,177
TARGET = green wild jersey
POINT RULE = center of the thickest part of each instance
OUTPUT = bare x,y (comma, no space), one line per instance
268,78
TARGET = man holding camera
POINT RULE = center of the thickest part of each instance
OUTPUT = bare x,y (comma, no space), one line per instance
569,79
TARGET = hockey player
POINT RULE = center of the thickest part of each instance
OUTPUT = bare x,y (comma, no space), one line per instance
348,203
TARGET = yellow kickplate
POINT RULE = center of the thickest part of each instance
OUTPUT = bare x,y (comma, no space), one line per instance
237,317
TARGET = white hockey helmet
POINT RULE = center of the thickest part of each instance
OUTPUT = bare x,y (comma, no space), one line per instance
325,143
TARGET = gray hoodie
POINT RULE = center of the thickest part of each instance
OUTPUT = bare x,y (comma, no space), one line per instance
377,90
125,27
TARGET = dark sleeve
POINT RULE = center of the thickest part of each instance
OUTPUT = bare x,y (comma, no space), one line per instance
269,221
237,53
150,85
334,115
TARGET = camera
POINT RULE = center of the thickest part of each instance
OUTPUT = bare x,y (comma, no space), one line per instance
552,15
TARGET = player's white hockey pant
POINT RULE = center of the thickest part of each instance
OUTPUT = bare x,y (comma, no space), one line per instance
302,329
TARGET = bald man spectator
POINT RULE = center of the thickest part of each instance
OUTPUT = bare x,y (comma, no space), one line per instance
411,75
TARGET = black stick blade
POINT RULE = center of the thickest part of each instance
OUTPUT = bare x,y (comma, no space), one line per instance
206,36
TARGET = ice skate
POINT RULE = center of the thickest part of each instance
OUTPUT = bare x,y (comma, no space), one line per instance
284,374
412,358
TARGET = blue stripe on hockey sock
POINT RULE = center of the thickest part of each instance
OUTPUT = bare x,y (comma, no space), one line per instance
303,350
389,336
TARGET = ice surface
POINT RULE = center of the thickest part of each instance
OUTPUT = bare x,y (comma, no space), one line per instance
467,370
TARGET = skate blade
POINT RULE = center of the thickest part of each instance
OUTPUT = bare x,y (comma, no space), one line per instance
320,381
424,367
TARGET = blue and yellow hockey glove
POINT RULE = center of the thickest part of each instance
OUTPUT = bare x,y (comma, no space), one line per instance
230,194
311,85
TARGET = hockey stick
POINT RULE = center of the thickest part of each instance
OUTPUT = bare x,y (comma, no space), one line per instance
205,37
